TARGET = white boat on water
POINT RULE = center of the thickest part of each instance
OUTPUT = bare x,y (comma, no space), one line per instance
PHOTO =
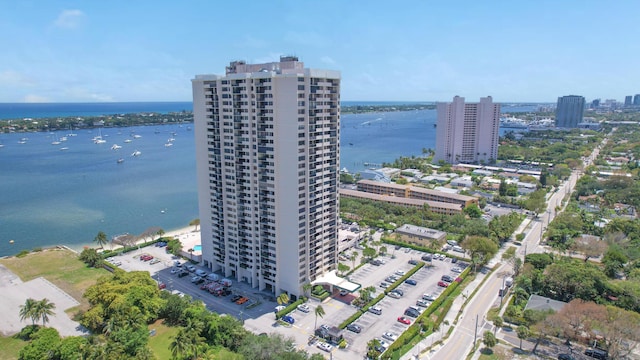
64,148
120,161
171,140
98,139
168,144
136,153
116,147
128,140
137,136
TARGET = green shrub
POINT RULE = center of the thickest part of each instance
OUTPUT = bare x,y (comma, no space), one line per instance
22,253
290,307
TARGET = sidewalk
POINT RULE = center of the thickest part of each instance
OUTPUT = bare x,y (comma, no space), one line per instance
425,348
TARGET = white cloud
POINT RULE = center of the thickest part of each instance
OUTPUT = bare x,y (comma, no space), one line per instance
14,78
82,94
327,60
70,19
32,98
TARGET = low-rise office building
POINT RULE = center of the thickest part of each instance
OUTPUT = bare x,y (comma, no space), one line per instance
418,235
414,192
434,206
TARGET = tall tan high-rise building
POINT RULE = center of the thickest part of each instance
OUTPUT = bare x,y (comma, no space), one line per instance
267,152
467,132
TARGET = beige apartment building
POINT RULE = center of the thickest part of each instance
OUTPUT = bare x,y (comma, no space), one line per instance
267,152
467,132
414,192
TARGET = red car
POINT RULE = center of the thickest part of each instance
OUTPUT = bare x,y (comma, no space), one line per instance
442,284
404,320
162,285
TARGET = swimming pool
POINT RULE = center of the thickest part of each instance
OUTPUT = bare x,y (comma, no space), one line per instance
197,248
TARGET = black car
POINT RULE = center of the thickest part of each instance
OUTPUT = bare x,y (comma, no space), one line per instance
399,292
183,273
427,257
355,328
235,298
412,313
565,357
413,262
411,282
454,260
597,354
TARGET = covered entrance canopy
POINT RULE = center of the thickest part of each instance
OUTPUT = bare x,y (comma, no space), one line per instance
332,279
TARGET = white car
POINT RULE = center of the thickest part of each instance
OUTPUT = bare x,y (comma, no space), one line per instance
304,308
175,270
456,270
400,273
394,295
390,336
195,279
324,346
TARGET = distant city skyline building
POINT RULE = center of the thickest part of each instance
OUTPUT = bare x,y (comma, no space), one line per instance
467,132
595,103
636,100
569,111
267,152
628,100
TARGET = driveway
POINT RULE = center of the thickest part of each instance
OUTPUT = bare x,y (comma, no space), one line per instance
15,293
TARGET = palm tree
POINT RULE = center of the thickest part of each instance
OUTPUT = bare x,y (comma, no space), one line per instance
160,233
26,310
179,346
283,299
195,222
354,256
101,239
319,312
43,309
306,288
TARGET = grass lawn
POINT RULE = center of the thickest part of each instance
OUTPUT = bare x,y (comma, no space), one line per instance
59,266
10,347
159,343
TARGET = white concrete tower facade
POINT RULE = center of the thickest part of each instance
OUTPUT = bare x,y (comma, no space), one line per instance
467,132
267,152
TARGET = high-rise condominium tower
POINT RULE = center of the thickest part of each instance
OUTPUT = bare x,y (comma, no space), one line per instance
267,152
569,111
467,132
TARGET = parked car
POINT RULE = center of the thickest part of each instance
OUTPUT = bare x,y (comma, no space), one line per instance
288,319
235,298
394,295
411,282
428,297
442,284
404,320
454,260
565,357
324,346
384,285
412,312
304,308
390,279
400,273
343,292
162,285
195,278
375,310
422,303
427,257
597,354
201,273
191,268
398,291
456,270
242,300
183,273
175,270
413,262
446,278
390,336
154,261
355,328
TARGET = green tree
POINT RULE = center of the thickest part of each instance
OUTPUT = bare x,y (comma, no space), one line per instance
497,323
342,268
306,288
160,232
101,239
369,252
28,310
319,311
502,189
43,309
473,211
196,223
489,340
354,256
90,257
480,248
523,333
42,345
283,298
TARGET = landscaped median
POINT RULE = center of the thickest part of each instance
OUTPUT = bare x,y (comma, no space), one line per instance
290,307
405,342
375,300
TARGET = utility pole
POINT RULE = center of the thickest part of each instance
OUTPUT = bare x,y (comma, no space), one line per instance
475,333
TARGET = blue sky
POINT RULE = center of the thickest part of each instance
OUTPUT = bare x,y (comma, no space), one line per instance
143,50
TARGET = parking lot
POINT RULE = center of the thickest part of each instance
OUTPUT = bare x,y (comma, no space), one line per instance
257,305
258,312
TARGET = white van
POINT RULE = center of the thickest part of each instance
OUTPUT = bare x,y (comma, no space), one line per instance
458,249
201,273
212,277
